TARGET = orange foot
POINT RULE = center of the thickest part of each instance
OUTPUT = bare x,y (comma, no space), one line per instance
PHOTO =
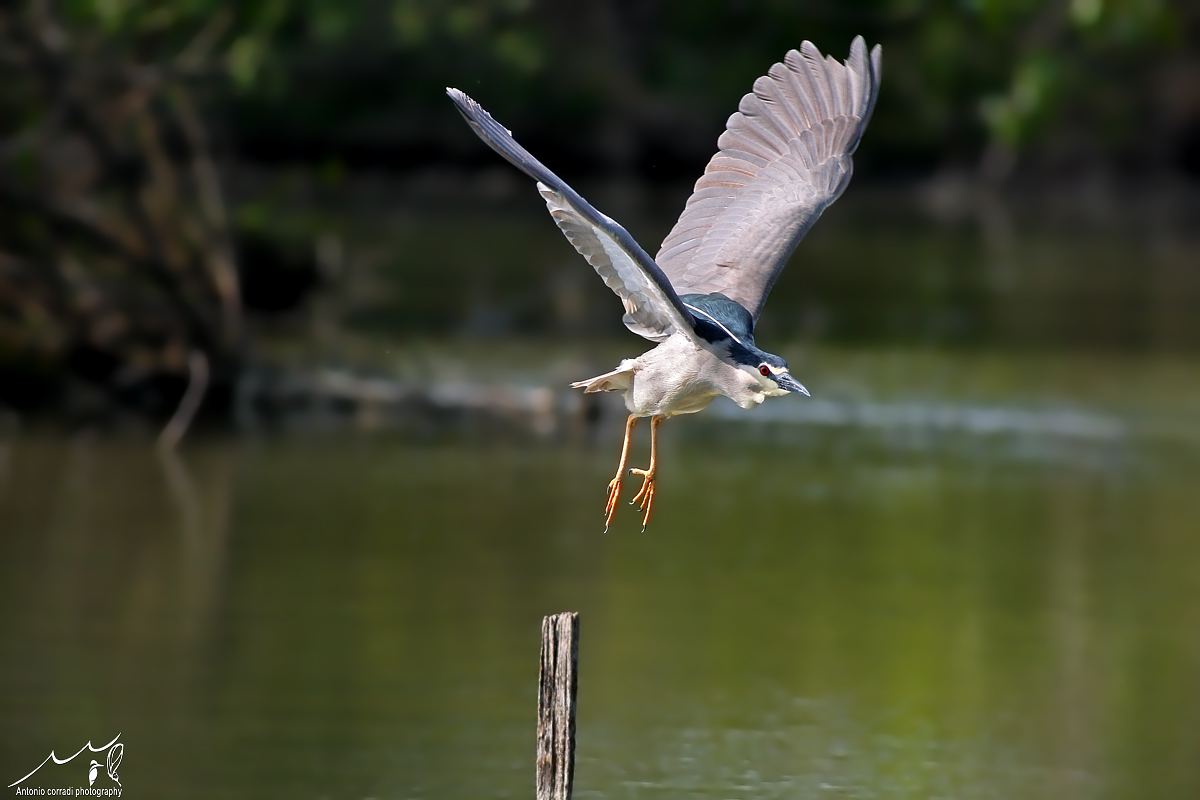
645,496
614,486
610,508
644,499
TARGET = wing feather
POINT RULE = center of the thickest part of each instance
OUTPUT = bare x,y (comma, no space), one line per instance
783,158
652,306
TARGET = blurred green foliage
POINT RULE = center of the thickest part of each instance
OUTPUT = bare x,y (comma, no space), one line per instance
122,120
1066,81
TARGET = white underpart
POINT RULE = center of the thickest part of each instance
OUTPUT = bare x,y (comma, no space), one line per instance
679,377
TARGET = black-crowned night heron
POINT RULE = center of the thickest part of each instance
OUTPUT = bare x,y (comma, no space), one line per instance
782,160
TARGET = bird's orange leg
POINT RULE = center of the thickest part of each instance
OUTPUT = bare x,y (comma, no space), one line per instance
614,486
646,495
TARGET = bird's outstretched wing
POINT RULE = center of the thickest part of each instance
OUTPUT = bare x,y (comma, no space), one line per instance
784,158
652,307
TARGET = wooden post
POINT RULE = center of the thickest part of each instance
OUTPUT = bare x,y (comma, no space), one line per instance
556,707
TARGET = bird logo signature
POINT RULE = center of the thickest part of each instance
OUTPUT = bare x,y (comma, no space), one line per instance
114,750
114,760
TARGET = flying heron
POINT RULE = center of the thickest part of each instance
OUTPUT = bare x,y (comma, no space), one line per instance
784,157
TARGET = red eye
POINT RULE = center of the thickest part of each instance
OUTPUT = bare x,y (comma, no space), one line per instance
766,373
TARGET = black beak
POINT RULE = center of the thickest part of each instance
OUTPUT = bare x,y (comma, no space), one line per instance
786,381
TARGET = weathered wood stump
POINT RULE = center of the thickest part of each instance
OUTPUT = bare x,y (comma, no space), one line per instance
556,706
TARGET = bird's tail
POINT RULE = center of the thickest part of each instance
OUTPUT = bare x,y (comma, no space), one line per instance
618,380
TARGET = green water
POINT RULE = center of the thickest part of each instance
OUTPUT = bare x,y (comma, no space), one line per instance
815,611
968,567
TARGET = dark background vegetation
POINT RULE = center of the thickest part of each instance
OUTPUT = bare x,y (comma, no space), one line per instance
160,162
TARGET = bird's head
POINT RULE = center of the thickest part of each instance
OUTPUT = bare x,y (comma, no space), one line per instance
727,329
770,373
